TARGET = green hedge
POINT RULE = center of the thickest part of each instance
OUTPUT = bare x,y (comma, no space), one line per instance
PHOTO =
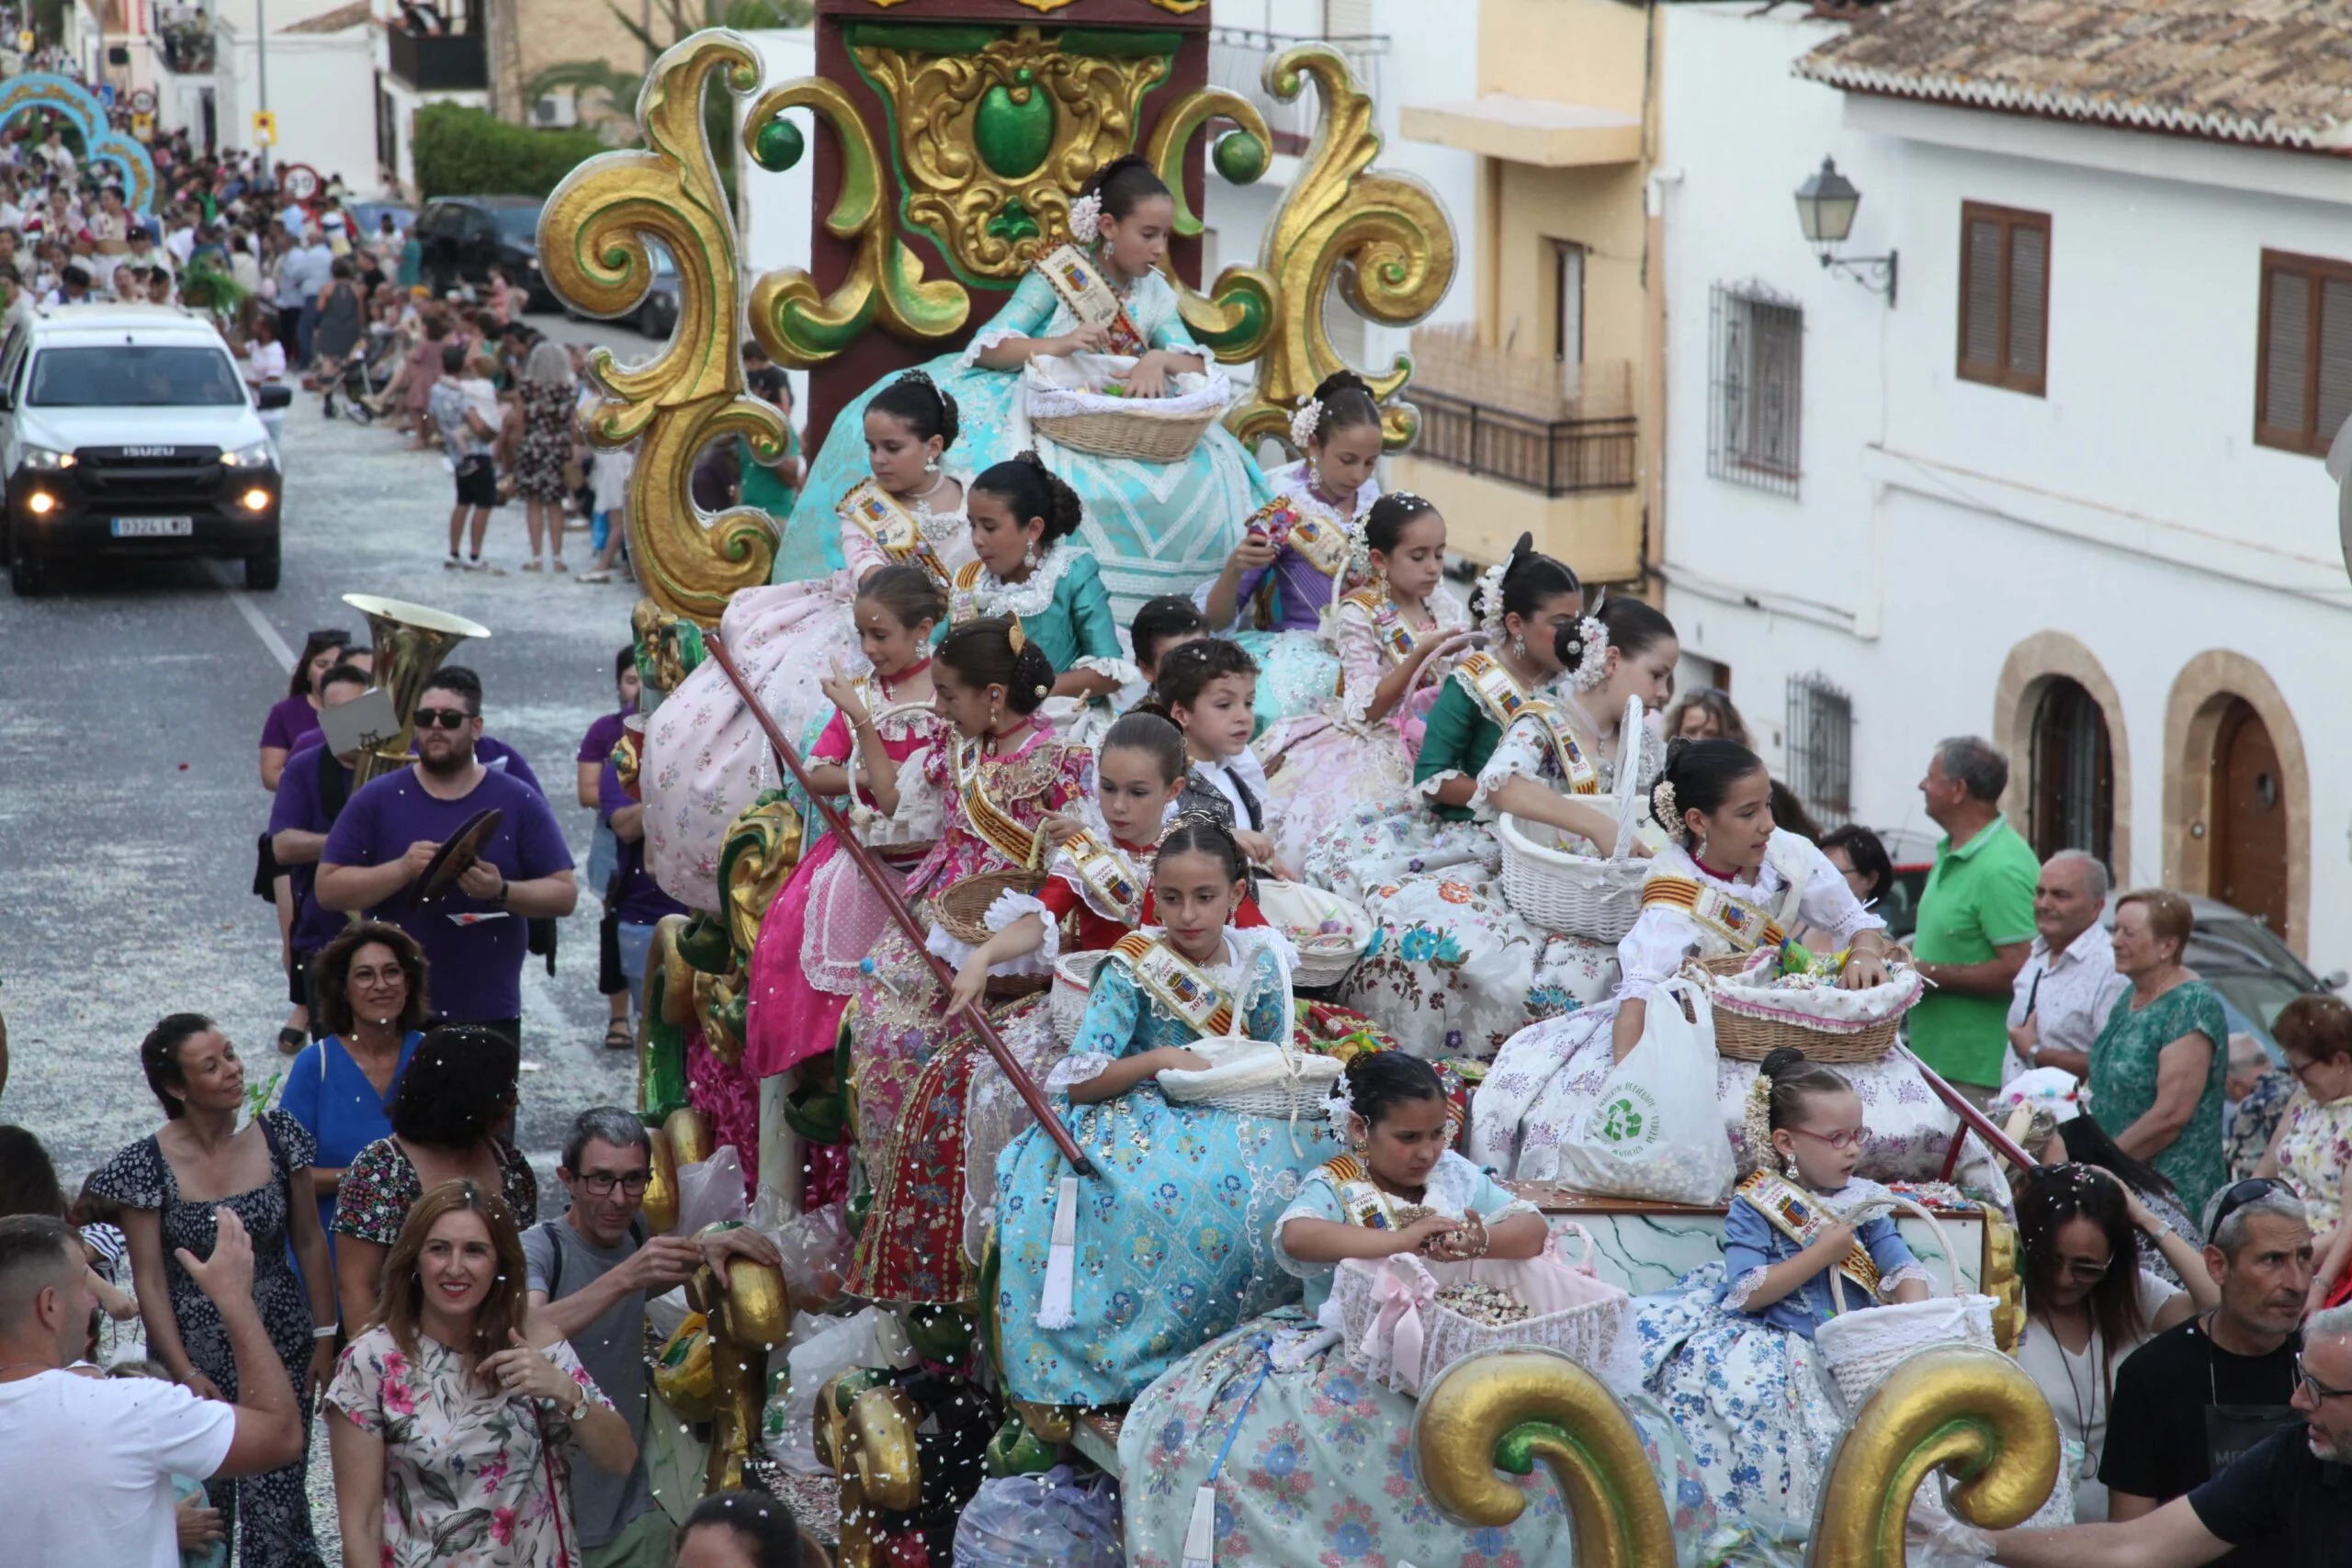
470,152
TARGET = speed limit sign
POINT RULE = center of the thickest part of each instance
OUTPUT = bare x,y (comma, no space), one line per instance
300,181
142,101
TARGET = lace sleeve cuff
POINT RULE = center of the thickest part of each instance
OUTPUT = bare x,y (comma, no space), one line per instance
1426,789
1011,906
1735,1294
1119,670
1080,1066
1913,1270
984,340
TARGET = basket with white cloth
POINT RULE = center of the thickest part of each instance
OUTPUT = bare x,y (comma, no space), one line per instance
1862,1347
1064,397
1398,1324
1328,932
1588,896
1254,1078
1828,1023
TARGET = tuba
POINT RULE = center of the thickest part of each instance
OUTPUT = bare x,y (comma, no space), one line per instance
411,643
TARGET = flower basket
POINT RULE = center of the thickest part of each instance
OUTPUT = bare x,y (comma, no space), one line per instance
1828,1025
1329,932
1587,896
1862,1347
1064,399
962,910
1255,1078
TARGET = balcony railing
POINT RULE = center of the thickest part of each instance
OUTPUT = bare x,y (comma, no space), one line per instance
1559,456
450,62
1238,59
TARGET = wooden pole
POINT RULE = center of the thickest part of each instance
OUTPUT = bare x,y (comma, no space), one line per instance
900,916
1970,1120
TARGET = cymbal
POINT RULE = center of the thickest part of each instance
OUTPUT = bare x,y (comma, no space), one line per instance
457,852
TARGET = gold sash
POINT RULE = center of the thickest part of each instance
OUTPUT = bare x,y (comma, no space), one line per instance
1176,983
1320,539
1397,639
1796,1215
1503,699
892,526
964,595
1737,921
1081,286
1106,876
991,821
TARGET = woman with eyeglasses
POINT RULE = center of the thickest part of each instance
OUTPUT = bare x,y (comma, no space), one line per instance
2312,1149
458,1090
371,1000
2089,1303
2077,1137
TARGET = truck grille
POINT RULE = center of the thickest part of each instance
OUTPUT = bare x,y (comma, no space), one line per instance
157,472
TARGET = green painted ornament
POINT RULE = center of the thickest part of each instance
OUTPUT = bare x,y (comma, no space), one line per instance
1240,156
778,145
704,944
939,1332
1014,222
1017,1450
1013,128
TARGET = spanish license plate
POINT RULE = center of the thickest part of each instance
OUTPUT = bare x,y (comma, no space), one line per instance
153,527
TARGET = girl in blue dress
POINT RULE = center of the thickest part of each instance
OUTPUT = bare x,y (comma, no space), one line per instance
1106,1281
1155,527
1731,1355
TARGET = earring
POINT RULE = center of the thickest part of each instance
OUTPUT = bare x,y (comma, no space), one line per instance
930,465
1789,1164
1519,646
1029,557
1701,853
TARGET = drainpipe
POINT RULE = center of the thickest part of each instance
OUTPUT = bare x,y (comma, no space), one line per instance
1654,393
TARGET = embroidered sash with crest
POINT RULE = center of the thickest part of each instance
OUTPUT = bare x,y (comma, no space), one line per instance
1322,540
1737,921
1177,983
1503,699
892,526
996,827
1107,878
1796,1214
1397,639
1360,1200
1081,286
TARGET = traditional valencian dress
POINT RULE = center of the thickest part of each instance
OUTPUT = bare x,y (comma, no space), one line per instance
990,807
1297,670
1064,610
1550,1071
1156,528
1317,1455
705,756
1166,1244
1323,766
1745,1386
1454,968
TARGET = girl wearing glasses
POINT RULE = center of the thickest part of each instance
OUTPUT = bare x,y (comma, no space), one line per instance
1731,1355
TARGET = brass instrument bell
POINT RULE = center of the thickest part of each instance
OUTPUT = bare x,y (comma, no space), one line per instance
411,643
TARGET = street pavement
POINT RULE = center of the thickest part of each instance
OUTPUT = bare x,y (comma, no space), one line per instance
132,700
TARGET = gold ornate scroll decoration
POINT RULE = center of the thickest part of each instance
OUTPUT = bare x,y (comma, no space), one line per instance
1382,237
1997,1276
1506,1409
798,324
1970,1412
952,191
594,239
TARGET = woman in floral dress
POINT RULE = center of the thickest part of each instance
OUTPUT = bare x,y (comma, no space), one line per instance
2311,1151
455,1428
548,393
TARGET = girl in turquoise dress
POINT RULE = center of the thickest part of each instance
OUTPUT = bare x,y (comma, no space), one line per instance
1156,528
1026,563
1170,1241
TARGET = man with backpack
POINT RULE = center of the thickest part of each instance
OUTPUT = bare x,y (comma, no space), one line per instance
590,1273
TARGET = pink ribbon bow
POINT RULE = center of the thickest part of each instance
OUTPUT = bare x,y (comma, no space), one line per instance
1400,1289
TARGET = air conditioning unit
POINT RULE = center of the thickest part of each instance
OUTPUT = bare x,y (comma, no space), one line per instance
555,112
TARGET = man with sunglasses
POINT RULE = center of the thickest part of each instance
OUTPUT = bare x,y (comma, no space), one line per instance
590,1275
2286,1501
475,936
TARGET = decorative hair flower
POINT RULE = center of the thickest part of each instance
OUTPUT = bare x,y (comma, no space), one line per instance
1592,654
1359,567
1756,1112
1662,806
1305,421
1086,217
1489,597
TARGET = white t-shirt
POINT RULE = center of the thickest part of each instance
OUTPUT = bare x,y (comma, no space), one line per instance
2076,1387
87,1465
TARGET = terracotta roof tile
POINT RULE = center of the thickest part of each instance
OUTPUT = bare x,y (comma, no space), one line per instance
2270,72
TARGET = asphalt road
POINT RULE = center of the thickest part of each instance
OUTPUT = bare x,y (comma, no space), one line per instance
131,701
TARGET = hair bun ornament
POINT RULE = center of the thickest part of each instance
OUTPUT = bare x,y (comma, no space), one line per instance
1662,806
1489,597
1086,217
1592,654
1015,635
1306,421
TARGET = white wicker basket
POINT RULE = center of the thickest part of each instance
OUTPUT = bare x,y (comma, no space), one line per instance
1584,1333
1301,912
1059,394
1862,1347
1073,983
1581,895
1254,1078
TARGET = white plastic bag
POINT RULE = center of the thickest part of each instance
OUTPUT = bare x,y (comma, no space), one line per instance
1654,1130
1054,1520
710,1192
822,1349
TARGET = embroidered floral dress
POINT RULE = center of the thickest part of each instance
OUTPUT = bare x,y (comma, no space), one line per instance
1745,1386
472,1479
380,1186
1318,1467
910,1115
1324,766
2123,1081
1284,607
1065,612
706,758
1550,1071
1155,527
2314,1153
1172,1233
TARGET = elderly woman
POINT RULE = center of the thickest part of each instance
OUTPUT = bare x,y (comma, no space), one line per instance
171,1185
371,998
458,1090
548,394
455,1424
2313,1147
2157,1068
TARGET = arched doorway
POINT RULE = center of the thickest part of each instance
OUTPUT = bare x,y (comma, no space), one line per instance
2073,774
2248,868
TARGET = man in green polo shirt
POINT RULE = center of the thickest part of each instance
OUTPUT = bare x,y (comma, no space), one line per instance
1975,917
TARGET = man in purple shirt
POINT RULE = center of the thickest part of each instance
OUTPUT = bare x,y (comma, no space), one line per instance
474,939
311,796
493,752
604,851
635,898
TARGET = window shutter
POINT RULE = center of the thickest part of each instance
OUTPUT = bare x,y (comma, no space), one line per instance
2287,348
2029,285
2334,360
1981,346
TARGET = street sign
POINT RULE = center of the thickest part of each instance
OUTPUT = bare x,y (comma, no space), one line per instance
142,126
143,99
264,128
106,93
25,42
300,181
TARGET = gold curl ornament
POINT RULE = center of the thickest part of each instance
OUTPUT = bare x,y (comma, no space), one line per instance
1971,1412
1508,1409
595,247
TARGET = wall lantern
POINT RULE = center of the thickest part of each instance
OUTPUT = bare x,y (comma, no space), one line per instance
1826,205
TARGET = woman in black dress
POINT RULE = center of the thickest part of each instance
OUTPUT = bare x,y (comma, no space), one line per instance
169,1185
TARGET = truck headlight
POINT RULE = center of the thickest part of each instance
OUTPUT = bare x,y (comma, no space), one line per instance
45,459
257,455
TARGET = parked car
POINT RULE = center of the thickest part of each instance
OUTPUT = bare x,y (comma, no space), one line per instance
367,216
657,315
127,432
460,238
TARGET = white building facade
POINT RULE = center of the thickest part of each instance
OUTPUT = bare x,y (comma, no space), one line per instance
2061,491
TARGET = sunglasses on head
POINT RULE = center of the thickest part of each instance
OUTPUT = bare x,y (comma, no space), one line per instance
441,718
2238,1197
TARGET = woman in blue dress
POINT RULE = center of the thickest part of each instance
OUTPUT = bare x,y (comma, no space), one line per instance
1169,1243
1155,527
371,983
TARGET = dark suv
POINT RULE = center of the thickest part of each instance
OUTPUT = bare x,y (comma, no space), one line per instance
460,238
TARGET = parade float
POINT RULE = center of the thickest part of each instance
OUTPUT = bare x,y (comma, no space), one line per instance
947,138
